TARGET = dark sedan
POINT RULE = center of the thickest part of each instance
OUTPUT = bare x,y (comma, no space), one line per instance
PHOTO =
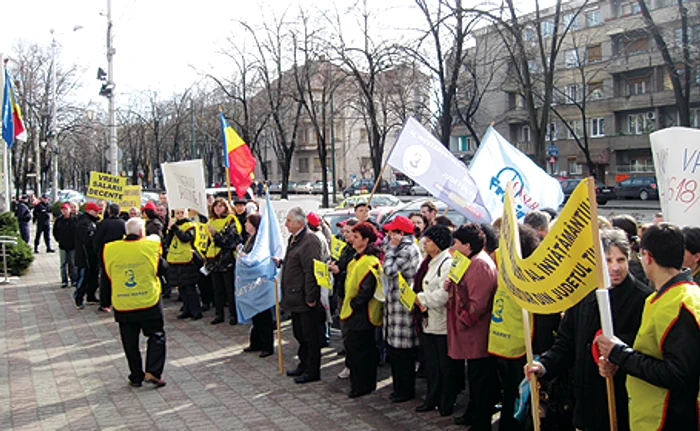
643,188
400,187
603,193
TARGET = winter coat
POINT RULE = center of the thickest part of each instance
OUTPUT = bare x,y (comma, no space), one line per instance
108,230
299,286
42,213
85,252
434,296
572,349
23,214
64,231
154,227
469,309
398,321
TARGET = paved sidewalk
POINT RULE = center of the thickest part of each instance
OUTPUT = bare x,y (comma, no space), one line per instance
64,369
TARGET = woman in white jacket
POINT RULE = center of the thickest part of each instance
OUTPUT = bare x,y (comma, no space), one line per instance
440,369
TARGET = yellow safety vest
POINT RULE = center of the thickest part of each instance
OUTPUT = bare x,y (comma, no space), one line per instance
506,336
358,269
220,224
132,267
181,252
648,403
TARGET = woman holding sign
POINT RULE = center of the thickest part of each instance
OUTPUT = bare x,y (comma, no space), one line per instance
360,312
432,300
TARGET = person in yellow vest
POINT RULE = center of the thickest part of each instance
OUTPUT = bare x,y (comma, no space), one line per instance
184,262
225,231
133,265
662,364
361,312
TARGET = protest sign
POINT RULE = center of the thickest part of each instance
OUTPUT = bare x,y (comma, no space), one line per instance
562,270
418,154
459,266
676,153
496,162
323,276
407,297
131,197
106,186
184,182
337,247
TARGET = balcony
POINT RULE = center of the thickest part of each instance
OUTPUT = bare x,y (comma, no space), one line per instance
636,167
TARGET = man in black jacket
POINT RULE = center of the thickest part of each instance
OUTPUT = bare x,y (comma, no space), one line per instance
662,366
109,229
24,216
86,259
64,234
572,346
42,218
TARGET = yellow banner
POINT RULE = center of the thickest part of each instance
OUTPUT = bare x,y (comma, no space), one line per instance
106,186
323,277
562,270
132,198
407,296
459,266
337,247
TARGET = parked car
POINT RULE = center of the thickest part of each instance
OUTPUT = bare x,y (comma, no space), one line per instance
338,215
414,206
644,188
365,185
306,187
318,187
275,187
419,190
603,193
71,196
378,200
400,187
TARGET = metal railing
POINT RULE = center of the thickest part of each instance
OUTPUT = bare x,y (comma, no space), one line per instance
4,240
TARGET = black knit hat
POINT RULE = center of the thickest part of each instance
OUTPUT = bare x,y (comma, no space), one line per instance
440,235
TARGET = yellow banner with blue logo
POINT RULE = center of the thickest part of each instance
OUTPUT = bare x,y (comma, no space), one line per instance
323,276
337,247
562,270
407,296
459,266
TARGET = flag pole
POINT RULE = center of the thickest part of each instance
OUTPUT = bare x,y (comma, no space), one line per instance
228,177
534,386
600,264
279,328
228,187
379,180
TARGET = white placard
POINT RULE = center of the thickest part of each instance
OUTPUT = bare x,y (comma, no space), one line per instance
184,182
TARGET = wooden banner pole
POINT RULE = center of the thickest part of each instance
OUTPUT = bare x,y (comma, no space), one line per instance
534,386
376,183
279,329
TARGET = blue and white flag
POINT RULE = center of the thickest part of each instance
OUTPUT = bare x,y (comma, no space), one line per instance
256,271
496,162
418,154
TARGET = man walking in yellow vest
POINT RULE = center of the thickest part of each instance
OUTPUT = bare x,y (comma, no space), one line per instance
662,365
133,265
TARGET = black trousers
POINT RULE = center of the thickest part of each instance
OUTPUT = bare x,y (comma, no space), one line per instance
261,336
482,375
222,283
105,288
87,283
42,229
441,372
155,355
362,360
305,326
190,300
511,374
403,372
206,291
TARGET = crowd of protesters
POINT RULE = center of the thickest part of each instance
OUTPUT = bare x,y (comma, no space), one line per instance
449,334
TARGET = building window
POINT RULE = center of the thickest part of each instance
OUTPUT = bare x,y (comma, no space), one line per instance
530,35
574,129
574,168
571,58
551,134
630,8
592,18
597,127
594,53
363,134
634,46
303,165
547,28
595,90
638,124
570,21
693,35
638,85
573,93
532,66
695,118
524,134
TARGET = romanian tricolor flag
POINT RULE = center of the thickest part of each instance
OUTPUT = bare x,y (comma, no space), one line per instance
12,124
237,158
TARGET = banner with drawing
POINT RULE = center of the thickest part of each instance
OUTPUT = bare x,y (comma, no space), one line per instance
562,270
184,182
676,153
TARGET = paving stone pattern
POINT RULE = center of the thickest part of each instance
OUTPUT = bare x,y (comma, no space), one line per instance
64,369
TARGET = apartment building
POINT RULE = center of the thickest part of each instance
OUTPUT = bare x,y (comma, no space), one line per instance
609,79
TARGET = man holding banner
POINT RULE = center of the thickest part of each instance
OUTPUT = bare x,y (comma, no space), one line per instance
662,365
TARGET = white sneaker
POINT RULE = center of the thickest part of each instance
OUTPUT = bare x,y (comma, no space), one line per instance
345,374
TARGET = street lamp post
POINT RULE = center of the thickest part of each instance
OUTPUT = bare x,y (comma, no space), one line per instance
113,151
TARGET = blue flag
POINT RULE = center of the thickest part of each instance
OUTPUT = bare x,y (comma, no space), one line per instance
256,271
8,132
